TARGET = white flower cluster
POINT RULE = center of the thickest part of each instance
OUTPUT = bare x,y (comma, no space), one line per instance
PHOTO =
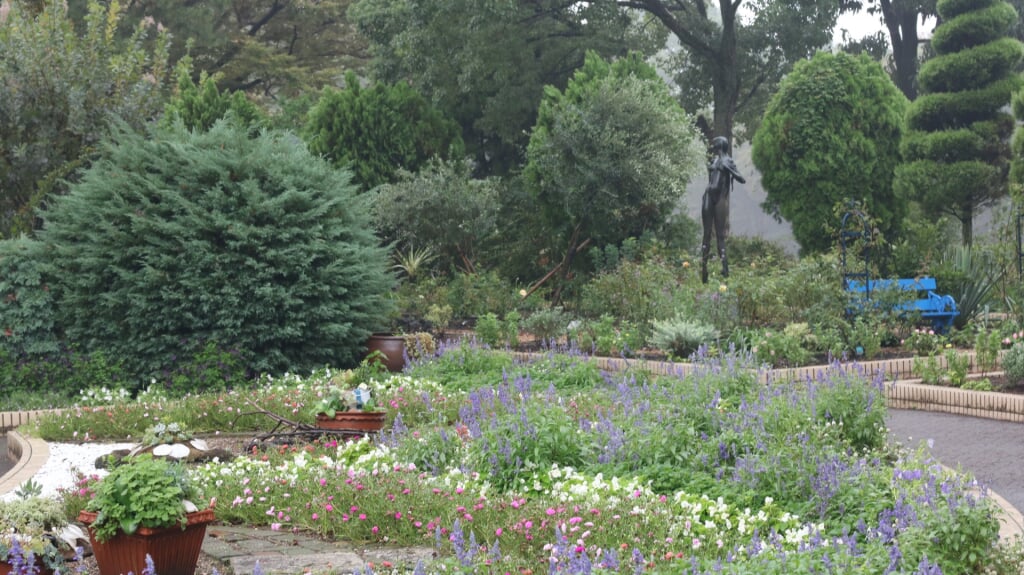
101,396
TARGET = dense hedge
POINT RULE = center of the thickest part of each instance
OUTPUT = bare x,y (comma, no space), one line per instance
173,240
26,302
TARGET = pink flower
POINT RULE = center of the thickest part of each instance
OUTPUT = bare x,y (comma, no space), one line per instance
329,507
498,532
316,516
362,517
375,530
551,511
275,526
398,514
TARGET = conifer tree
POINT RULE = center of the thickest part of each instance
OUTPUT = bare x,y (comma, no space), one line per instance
378,130
178,238
956,151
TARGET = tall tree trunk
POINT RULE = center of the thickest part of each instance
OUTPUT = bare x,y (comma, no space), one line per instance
902,26
967,223
726,81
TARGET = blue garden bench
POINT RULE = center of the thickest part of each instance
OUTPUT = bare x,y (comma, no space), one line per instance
940,310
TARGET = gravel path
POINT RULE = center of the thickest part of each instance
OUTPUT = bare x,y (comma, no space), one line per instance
65,458
992,450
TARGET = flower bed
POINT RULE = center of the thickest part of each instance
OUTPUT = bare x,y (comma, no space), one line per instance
628,472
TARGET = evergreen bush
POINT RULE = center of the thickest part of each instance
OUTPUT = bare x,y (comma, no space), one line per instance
176,239
26,303
1013,363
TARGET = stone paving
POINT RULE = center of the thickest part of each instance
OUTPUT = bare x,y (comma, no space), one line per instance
284,552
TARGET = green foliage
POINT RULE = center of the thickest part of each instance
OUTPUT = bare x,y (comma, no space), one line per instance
964,88
27,322
441,208
476,294
606,336
831,133
210,368
920,248
969,275
1012,363
216,236
376,131
776,295
144,492
487,62
37,523
497,332
638,292
166,434
508,451
786,348
986,350
924,342
610,155
548,324
49,380
865,336
58,89
681,336
200,106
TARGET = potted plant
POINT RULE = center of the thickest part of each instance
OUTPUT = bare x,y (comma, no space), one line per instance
37,525
143,507
346,408
392,351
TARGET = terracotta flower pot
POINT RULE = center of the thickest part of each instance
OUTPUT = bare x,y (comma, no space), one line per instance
7,569
352,421
174,551
393,348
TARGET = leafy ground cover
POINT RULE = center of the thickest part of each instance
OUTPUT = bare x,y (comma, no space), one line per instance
516,467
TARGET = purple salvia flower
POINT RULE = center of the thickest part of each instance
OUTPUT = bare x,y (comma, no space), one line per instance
638,562
150,568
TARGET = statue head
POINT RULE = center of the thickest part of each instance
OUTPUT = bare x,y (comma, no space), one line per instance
720,144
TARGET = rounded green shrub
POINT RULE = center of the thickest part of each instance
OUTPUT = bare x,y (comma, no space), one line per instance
174,239
1013,363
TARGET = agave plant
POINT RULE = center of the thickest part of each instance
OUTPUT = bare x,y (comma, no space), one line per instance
974,277
413,261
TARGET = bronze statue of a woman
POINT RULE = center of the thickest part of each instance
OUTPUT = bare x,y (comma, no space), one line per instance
714,209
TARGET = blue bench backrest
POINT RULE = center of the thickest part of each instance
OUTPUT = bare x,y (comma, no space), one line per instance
915,284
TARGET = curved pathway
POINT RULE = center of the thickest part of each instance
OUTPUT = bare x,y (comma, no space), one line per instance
992,450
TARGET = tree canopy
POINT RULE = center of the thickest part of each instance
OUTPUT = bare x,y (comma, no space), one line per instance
732,62
58,91
610,155
379,130
486,63
267,48
831,134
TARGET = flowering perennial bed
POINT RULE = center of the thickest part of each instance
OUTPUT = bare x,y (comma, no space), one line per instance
554,465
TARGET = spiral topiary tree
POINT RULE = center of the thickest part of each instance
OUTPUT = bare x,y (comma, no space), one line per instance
177,239
956,152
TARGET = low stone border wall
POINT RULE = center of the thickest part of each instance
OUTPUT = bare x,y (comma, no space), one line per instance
29,455
901,390
12,419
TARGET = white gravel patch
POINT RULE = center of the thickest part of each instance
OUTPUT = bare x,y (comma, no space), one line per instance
65,459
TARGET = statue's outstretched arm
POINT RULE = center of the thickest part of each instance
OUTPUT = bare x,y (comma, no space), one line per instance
731,166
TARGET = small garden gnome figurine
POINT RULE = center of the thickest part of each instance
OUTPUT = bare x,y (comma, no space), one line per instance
714,209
